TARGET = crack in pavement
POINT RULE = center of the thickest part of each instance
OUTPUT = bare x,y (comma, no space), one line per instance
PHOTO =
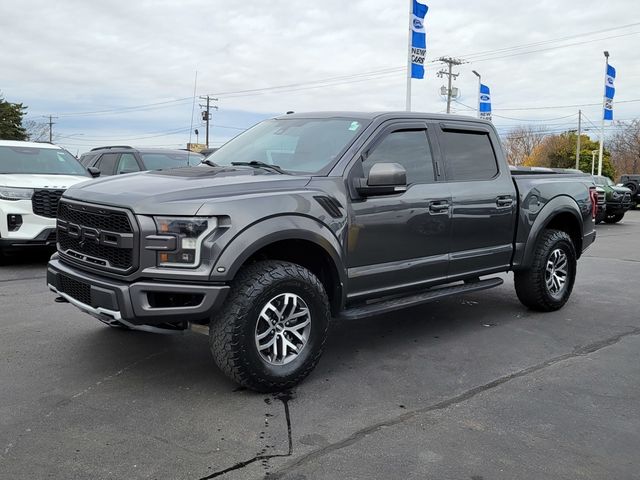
364,432
284,398
22,278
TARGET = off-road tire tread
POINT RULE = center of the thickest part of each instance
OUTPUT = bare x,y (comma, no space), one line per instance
226,335
530,284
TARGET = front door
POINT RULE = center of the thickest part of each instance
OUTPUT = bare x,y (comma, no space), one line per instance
399,241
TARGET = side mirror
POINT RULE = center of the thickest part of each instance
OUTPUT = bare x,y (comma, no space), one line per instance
383,179
94,172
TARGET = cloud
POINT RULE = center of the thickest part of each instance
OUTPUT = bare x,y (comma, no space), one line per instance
77,56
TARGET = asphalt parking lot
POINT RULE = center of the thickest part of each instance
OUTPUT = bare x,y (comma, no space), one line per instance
475,387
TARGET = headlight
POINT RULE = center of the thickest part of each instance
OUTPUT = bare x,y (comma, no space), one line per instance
189,233
11,193
617,195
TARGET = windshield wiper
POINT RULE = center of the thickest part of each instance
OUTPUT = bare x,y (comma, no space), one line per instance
257,164
209,162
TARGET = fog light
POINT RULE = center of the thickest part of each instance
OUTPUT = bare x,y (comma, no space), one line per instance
14,222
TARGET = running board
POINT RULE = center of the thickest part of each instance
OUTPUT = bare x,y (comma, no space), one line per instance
387,306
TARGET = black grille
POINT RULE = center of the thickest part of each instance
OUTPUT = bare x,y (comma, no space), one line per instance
45,202
78,290
101,219
90,252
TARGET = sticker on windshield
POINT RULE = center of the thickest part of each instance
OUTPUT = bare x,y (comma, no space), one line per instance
354,126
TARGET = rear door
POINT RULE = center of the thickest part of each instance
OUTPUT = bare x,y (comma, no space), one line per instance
483,199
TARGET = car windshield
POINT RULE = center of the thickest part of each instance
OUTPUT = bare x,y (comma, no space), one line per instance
305,145
162,160
34,160
601,180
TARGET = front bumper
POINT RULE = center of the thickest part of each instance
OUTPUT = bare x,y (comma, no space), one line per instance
46,238
138,303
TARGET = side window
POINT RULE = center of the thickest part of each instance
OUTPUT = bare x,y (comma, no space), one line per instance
87,159
107,163
468,156
127,164
409,148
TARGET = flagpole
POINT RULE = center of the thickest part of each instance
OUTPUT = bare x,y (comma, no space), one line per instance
409,58
604,103
479,86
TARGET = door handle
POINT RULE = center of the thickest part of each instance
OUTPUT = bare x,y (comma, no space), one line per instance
438,206
504,201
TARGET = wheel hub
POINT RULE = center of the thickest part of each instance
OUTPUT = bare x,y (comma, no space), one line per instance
556,272
283,328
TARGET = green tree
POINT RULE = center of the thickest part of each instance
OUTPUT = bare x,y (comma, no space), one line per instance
11,116
559,151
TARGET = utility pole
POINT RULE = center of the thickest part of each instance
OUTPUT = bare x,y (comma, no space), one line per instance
206,115
451,76
593,159
578,142
51,124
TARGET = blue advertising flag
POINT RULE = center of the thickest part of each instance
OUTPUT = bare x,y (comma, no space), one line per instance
418,39
609,92
484,103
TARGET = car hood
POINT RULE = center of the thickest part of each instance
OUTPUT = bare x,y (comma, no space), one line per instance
32,180
181,191
621,189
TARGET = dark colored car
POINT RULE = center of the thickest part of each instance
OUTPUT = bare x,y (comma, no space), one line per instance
618,199
306,217
119,159
632,182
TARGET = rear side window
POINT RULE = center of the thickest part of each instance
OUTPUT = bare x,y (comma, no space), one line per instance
87,159
410,149
468,156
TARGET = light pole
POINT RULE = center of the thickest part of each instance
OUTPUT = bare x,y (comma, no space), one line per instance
593,160
479,85
604,100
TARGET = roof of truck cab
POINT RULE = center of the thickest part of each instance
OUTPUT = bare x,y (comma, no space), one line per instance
384,115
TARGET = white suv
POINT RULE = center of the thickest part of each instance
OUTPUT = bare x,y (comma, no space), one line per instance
33,176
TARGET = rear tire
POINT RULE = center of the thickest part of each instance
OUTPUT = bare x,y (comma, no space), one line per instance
547,284
272,328
614,218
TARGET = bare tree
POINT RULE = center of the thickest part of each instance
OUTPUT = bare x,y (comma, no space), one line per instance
625,147
520,142
36,131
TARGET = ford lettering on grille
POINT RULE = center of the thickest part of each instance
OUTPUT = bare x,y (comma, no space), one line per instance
99,237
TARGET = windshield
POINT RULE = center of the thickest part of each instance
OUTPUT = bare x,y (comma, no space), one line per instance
162,160
49,161
297,145
600,180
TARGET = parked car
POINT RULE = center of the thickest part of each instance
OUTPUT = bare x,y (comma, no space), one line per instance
601,212
363,214
618,198
632,182
119,159
33,177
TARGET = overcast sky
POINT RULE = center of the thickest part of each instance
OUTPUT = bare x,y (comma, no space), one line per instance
123,72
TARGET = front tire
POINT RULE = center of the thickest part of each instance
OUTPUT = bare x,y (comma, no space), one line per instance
272,328
547,285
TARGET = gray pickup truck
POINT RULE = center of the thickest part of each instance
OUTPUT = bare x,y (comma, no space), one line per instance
308,217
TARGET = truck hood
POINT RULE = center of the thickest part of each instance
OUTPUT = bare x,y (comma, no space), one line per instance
33,180
181,191
621,189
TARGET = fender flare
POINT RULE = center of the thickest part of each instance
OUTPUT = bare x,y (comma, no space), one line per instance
274,229
556,206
